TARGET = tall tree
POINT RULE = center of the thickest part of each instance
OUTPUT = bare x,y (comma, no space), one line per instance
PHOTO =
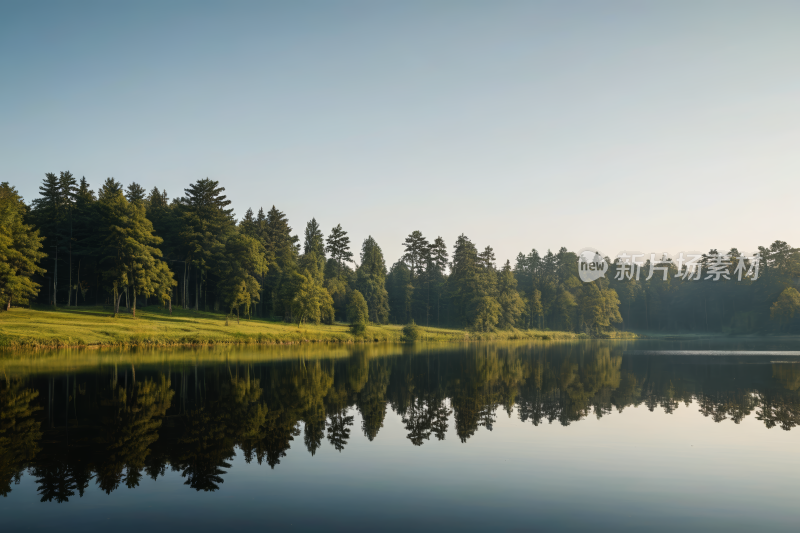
68,186
338,245
241,264
282,247
314,241
20,250
131,256
511,304
208,222
371,281
48,215
416,250
135,193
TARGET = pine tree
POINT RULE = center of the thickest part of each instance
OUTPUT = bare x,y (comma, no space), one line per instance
511,304
314,241
109,189
207,223
371,281
48,216
69,187
135,193
416,250
338,245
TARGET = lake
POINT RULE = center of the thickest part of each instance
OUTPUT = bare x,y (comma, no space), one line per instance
604,435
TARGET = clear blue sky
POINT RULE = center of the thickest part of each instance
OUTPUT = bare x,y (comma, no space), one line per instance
652,126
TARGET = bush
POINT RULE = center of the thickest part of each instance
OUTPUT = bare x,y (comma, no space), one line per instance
411,332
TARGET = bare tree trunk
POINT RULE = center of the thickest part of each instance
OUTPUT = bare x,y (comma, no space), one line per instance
8,305
69,292
117,300
79,285
55,280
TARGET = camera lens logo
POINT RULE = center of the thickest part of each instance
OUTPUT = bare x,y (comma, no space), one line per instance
591,265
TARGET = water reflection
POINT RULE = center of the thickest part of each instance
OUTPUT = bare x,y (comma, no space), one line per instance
115,423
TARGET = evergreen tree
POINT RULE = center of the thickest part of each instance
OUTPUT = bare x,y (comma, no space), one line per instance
283,279
511,304
68,187
338,245
109,189
135,193
207,224
416,251
371,281
401,292
48,215
314,241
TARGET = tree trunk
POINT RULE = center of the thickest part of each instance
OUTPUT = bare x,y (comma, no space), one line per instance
79,286
55,280
117,301
69,292
8,305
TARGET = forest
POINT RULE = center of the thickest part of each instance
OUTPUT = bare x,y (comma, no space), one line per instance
124,247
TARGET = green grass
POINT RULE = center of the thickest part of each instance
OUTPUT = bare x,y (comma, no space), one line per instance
96,326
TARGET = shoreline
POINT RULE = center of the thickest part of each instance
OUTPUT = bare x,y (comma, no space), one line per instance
95,327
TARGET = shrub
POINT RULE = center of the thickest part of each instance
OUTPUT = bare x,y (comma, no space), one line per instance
411,332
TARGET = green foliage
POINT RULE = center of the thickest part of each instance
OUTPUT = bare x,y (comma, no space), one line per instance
511,304
312,302
314,241
240,262
371,281
787,304
485,313
130,257
411,332
20,250
357,313
213,268
338,245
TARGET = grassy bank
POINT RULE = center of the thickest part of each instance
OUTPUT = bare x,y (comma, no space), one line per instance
96,326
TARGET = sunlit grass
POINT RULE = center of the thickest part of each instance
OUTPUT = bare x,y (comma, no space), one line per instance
96,326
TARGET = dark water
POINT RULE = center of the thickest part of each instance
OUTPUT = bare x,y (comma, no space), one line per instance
598,435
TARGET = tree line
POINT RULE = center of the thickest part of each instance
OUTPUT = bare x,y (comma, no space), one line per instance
125,246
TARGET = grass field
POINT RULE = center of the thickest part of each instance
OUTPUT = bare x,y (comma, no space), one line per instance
96,326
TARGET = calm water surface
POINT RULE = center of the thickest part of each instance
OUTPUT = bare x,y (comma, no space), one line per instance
623,436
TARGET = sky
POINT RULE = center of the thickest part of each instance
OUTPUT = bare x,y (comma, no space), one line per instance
648,126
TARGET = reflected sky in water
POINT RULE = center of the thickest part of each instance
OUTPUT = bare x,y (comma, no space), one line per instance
608,436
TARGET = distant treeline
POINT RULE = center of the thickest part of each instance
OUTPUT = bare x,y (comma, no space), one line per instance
127,247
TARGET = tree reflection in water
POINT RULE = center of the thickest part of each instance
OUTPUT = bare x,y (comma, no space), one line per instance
120,423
